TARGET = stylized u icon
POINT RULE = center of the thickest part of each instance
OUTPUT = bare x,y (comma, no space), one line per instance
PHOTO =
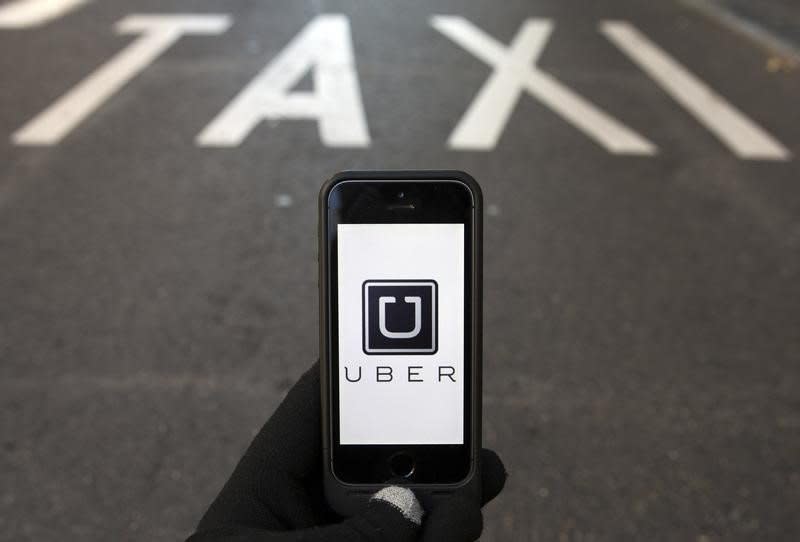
416,300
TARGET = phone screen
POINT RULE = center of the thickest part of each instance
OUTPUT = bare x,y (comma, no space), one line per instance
401,333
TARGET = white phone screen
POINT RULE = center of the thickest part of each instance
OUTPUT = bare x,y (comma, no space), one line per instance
401,333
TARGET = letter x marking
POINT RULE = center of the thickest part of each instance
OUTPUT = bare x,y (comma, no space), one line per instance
515,70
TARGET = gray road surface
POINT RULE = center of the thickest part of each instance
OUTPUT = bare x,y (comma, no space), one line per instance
158,297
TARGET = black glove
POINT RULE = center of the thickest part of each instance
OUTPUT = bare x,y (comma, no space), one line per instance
275,493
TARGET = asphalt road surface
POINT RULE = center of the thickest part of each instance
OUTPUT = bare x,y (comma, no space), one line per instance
158,297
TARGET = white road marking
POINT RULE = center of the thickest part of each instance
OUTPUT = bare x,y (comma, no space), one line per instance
158,33
743,136
30,13
515,70
323,47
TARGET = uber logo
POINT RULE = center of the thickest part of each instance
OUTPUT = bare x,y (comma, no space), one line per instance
399,316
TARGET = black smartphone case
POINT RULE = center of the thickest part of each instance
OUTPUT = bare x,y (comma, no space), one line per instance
347,499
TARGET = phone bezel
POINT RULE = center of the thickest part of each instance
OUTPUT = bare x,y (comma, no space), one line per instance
370,200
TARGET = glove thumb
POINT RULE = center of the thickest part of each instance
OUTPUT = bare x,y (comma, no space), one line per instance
393,514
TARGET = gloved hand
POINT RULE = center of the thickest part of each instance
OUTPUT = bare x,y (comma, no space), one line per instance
275,493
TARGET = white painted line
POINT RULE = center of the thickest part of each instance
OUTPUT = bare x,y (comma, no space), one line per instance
323,47
30,13
158,33
743,136
515,71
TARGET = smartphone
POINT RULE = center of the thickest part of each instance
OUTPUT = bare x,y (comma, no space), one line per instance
400,334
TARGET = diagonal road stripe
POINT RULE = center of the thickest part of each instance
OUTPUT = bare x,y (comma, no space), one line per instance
743,136
30,13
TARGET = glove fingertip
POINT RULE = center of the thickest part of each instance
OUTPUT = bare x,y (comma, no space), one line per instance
393,515
404,500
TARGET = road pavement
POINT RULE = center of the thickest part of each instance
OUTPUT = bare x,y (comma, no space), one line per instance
159,167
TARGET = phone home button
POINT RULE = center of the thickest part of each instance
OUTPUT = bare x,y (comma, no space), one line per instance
402,464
